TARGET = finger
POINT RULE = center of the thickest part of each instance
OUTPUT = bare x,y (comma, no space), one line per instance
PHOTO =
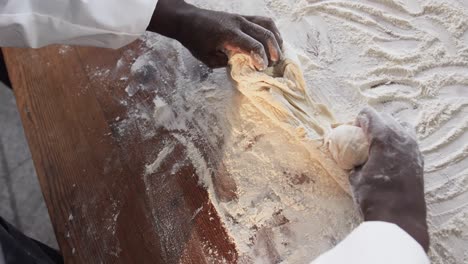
243,43
268,24
409,129
267,38
371,123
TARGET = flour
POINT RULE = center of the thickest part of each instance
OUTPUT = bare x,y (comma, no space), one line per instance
64,49
201,167
408,58
153,167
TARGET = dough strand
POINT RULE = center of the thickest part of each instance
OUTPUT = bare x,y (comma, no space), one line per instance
280,93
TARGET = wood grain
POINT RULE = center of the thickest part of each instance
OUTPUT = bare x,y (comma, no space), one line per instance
103,207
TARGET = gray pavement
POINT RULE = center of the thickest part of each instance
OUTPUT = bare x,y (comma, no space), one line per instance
21,200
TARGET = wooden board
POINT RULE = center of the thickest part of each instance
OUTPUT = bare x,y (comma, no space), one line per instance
103,207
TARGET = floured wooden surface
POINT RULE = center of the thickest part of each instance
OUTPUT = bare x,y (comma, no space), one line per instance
276,202
408,58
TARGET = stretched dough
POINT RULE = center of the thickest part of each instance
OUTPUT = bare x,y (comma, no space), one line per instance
280,93
348,146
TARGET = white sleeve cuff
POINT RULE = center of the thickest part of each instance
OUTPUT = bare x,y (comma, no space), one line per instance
376,242
102,23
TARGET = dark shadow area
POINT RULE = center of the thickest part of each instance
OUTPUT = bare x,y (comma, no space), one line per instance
3,71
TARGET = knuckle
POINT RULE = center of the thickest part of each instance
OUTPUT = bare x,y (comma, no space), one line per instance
270,22
239,18
362,120
256,19
243,22
363,116
233,32
265,22
367,111
229,35
269,35
265,19
258,47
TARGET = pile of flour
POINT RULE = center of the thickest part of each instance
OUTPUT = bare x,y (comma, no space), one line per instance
408,58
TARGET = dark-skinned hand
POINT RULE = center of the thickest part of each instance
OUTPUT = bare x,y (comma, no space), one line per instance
390,186
213,36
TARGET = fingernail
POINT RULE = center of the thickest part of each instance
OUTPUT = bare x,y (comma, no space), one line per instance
274,53
259,61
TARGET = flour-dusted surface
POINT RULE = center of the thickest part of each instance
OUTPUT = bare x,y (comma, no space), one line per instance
405,57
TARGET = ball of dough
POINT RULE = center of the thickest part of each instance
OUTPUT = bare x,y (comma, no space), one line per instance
348,146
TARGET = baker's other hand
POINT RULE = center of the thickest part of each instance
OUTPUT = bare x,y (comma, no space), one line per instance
390,186
212,36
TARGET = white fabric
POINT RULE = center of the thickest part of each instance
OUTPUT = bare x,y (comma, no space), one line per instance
376,242
102,23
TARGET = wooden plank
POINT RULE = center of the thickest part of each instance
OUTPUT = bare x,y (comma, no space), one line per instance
103,207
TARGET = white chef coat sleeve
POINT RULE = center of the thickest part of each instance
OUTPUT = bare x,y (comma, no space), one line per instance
376,242
101,23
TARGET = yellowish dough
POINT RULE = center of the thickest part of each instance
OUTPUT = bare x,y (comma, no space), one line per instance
348,146
280,93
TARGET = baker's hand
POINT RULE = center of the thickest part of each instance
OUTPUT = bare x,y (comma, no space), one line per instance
211,36
390,186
